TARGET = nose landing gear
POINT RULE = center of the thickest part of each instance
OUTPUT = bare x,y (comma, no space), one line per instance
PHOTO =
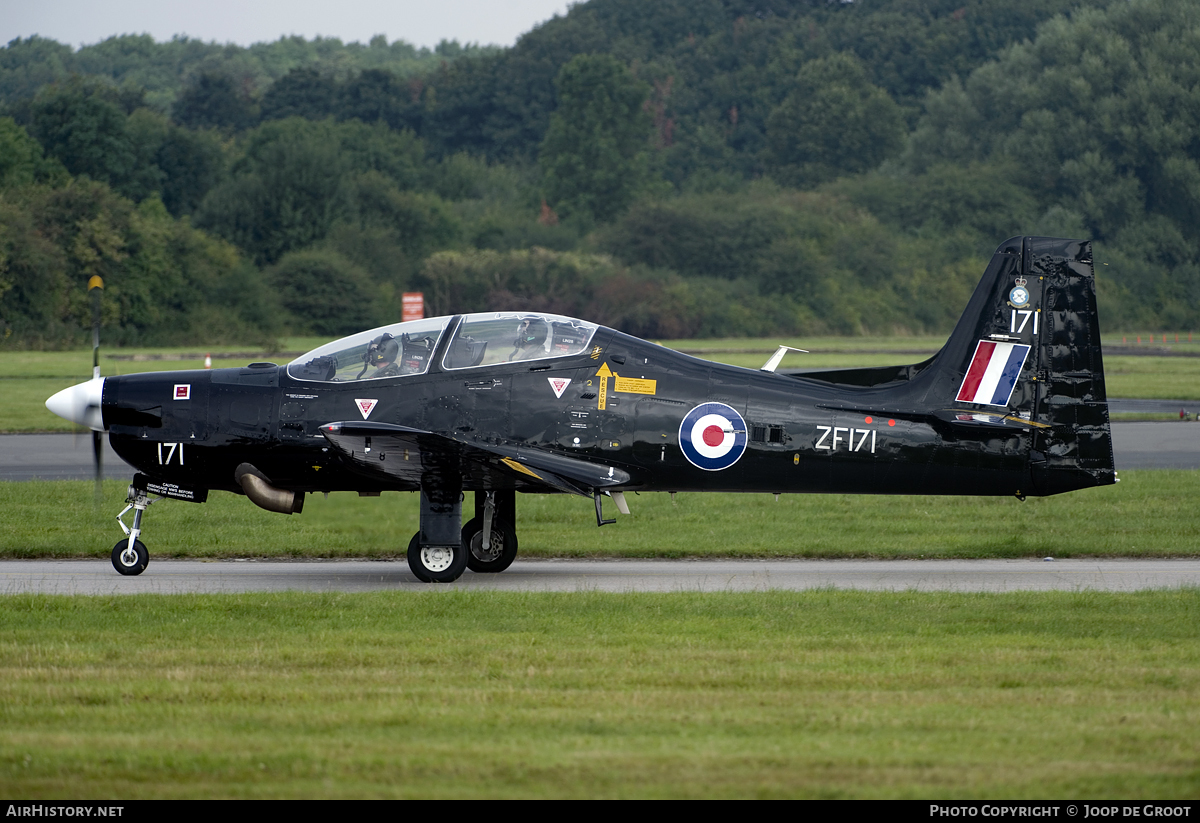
129,556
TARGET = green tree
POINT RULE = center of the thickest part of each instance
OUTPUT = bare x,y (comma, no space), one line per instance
192,163
164,280
297,178
1101,112
102,132
834,121
284,193
596,150
34,307
146,130
419,222
388,232
984,201
398,155
326,293
302,92
27,65
376,95
22,160
214,101
79,124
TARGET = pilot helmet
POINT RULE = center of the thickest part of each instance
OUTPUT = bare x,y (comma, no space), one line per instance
531,332
383,349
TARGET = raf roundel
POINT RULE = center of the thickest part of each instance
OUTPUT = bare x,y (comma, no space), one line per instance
712,436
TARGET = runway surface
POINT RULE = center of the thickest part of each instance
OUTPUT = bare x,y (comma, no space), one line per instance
56,457
1156,445
97,577
69,456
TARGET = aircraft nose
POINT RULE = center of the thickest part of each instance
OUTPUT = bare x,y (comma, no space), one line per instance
80,404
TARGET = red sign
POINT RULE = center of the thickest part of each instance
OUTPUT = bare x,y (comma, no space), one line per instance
412,306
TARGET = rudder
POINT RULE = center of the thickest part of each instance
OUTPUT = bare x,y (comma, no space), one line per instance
1028,347
1076,450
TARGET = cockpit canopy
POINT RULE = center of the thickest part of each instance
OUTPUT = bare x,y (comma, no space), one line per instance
501,337
485,339
388,351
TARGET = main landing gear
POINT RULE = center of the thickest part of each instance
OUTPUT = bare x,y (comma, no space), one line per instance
129,556
441,551
489,537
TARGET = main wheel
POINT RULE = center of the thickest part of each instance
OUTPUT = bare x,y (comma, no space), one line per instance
501,552
436,564
130,562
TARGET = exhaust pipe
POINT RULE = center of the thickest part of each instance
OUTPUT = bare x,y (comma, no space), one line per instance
260,491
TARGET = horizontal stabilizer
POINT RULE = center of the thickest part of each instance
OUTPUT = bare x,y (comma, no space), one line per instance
959,417
992,420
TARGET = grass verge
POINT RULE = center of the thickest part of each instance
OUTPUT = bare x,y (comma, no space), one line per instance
491,694
1148,514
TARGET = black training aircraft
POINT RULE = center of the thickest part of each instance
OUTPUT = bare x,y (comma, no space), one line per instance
505,402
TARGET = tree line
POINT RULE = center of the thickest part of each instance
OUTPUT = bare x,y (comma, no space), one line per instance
677,169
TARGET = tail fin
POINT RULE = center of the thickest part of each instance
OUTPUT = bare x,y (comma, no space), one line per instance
1028,347
1025,356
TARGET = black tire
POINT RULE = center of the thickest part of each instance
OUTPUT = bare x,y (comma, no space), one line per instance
436,564
503,548
130,565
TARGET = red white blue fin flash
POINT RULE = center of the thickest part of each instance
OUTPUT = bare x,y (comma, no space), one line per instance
993,373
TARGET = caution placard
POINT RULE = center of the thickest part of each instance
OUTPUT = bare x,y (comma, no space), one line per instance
626,385
634,385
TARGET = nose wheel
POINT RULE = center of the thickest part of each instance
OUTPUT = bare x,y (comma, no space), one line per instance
130,559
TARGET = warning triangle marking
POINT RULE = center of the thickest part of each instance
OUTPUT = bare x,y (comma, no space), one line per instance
559,385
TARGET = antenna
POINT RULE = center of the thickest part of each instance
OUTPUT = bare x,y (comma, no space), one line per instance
772,363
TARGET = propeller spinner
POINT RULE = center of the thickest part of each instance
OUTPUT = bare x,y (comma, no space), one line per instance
80,404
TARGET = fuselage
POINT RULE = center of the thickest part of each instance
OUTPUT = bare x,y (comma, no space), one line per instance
624,406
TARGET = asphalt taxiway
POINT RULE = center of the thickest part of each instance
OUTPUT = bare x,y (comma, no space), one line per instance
97,577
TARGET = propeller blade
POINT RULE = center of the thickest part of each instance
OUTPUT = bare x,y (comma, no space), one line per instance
95,287
98,456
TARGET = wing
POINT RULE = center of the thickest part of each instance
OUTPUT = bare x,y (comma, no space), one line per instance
412,457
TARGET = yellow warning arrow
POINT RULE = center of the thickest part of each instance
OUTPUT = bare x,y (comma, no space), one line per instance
603,374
